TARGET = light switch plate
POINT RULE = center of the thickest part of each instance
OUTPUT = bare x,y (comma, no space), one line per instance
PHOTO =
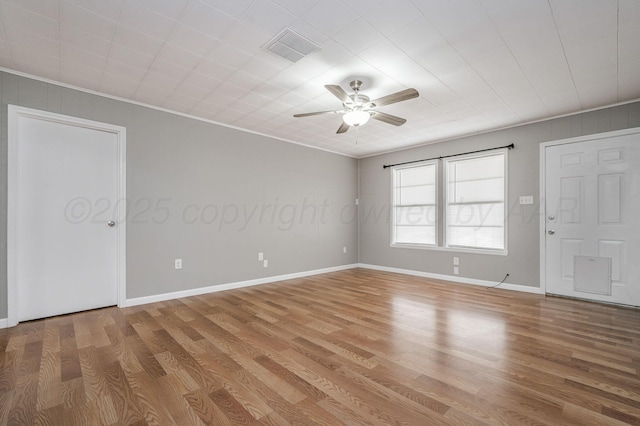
526,199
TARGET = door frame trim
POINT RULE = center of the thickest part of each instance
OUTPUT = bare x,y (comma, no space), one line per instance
543,206
14,113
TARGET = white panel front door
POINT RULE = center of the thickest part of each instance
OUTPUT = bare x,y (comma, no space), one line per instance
67,191
592,219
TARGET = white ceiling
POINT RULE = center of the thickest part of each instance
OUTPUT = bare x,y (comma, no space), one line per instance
478,64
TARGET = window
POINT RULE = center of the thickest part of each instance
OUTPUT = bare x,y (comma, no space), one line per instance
475,202
414,204
472,203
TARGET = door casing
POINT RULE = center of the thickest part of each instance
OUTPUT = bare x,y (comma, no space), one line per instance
14,113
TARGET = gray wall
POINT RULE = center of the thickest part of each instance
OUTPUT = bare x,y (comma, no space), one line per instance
229,194
523,261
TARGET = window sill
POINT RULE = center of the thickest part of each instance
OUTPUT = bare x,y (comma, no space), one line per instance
451,249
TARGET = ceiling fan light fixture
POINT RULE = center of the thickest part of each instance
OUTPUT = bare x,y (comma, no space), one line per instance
356,118
358,108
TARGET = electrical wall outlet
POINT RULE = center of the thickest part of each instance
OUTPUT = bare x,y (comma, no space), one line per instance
357,201
265,263
178,263
344,249
456,271
260,256
456,260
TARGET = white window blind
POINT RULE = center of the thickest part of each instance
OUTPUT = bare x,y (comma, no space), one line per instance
475,202
414,204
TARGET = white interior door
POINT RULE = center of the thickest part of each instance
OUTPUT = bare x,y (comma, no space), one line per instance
66,217
592,232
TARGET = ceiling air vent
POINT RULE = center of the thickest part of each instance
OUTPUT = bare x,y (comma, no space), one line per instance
290,45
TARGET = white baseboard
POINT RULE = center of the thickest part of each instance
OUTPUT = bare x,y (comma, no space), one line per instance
455,278
222,287
230,286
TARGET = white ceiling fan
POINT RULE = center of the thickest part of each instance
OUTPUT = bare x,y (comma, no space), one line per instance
358,108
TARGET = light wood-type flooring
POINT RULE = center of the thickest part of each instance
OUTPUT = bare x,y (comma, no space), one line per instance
352,347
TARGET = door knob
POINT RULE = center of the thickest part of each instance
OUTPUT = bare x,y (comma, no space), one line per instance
111,224
552,217
551,232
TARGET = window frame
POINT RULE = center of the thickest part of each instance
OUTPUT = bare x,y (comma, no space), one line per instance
441,206
445,201
435,205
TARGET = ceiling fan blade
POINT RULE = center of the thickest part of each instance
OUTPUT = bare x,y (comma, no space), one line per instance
388,118
343,128
400,96
309,114
339,93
